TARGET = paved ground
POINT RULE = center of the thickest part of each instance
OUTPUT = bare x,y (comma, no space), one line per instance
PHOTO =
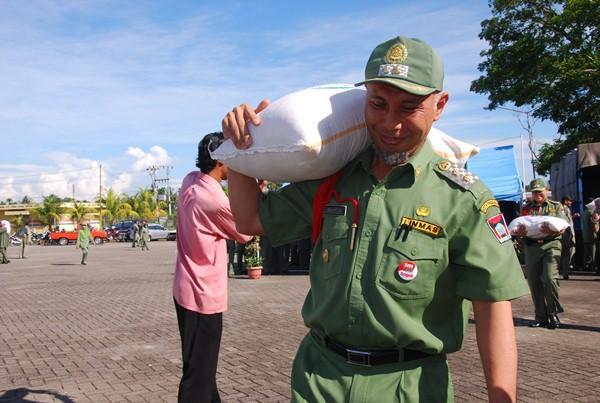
106,332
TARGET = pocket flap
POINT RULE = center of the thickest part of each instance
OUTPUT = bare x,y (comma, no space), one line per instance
416,246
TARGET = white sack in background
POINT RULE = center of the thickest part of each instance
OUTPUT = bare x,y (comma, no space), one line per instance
7,225
313,133
533,225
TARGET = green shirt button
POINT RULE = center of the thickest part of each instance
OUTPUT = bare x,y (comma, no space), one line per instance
368,233
413,251
358,276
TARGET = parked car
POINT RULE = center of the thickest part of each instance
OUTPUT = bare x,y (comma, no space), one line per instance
64,237
172,235
157,232
122,231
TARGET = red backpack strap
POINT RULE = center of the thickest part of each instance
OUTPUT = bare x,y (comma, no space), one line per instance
322,197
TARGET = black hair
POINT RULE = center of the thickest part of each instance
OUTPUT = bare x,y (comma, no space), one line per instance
210,142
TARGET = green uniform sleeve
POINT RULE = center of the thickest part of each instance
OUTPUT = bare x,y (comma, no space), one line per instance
484,256
286,214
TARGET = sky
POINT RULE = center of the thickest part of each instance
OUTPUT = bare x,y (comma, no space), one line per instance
127,85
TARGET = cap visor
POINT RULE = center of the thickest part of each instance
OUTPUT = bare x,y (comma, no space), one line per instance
407,86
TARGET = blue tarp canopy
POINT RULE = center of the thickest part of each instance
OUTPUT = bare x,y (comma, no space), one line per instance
497,168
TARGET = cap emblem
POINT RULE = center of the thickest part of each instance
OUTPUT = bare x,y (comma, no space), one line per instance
396,54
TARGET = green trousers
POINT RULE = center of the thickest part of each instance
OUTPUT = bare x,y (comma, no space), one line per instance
320,375
84,255
542,263
3,256
22,249
589,252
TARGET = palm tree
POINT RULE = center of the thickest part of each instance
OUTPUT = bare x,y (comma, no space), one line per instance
78,212
50,211
145,205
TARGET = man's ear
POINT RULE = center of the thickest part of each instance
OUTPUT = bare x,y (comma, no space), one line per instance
440,103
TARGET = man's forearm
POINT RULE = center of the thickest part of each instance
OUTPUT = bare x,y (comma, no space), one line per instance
497,348
244,194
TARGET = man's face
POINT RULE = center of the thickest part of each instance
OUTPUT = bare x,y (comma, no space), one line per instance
538,196
568,203
399,121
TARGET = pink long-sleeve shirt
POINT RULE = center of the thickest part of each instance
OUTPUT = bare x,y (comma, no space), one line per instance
204,223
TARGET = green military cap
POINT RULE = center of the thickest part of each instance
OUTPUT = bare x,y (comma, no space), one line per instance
406,63
537,185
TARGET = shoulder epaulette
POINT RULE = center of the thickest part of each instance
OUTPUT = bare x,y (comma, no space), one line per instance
456,174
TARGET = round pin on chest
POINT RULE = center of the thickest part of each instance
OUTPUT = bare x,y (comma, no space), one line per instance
407,270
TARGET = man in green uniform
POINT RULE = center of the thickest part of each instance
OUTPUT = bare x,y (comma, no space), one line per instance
568,239
144,236
589,233
135,232
25,235
542,258
4,241
84,238
404,245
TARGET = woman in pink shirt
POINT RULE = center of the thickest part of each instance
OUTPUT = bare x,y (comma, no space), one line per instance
204,223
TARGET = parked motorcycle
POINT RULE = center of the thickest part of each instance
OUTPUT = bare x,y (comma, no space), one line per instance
15,240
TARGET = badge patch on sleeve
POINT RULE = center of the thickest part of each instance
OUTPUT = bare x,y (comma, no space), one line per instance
499,228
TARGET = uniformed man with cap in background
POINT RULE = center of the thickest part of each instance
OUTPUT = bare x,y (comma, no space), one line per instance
84,238
4,242
542,258
392,282
568,239
589,233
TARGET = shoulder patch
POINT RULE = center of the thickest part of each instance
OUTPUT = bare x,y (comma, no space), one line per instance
456,174
489,203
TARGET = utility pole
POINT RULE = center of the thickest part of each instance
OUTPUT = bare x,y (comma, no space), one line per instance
155,181
100,199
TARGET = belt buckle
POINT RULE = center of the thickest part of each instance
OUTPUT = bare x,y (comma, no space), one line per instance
540,241
361,358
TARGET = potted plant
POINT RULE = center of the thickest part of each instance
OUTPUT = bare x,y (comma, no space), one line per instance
253,259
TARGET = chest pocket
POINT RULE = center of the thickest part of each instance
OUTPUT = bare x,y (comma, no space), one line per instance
329,259
426,252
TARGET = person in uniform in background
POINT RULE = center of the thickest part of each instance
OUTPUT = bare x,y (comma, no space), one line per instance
4,242
25,235
392,283
204,223
144,236
84,239
568,240
589,232
542,258
135,232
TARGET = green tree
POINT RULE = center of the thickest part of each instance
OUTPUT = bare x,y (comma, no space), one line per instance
78,212
50,211
543,54
145,206
115,207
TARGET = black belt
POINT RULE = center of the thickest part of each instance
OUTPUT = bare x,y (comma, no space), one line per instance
368,358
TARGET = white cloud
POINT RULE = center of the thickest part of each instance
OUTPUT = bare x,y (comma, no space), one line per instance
67,173
156,156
